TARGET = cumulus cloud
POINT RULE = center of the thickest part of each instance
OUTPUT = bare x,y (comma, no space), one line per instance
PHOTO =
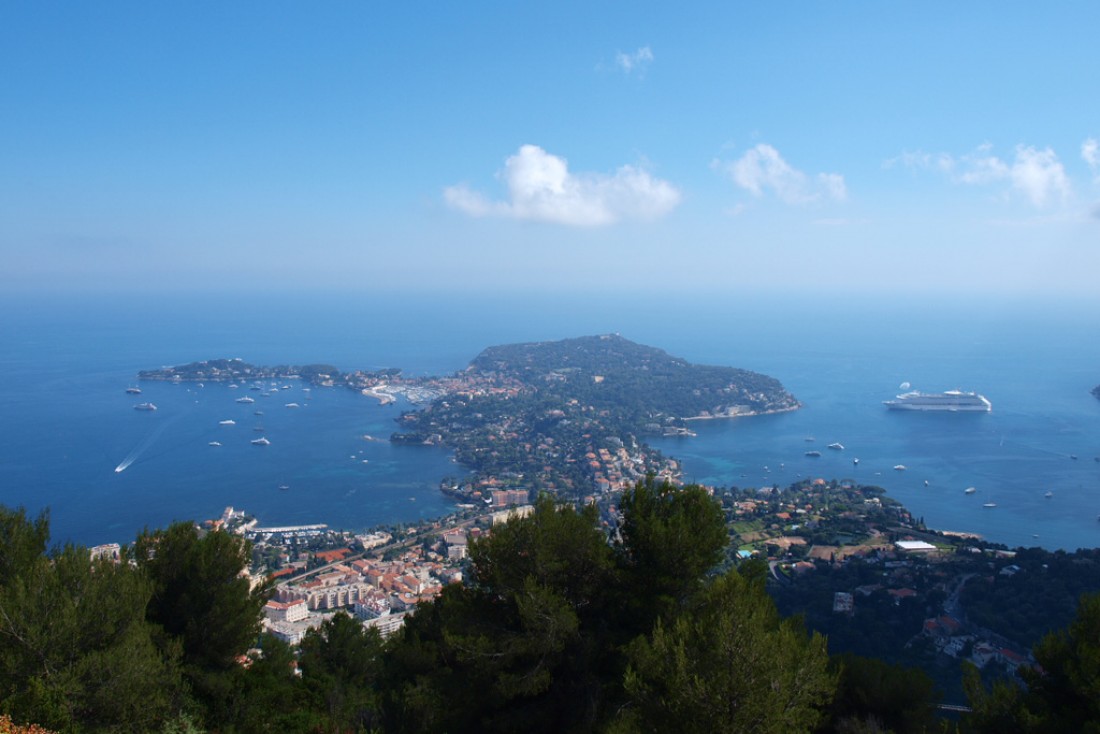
1090,151
762,170
638,61
1035,173
541,187
1039,175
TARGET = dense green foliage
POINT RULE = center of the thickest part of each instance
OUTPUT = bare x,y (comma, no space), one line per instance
559,628
874,695
1040,597
728,664
76,652
1064,696
561,631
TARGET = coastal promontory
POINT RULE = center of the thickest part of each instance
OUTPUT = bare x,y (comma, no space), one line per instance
570,417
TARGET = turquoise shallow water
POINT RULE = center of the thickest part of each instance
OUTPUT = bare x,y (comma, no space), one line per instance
67,422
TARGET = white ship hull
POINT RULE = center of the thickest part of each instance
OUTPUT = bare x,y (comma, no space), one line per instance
950,408
952,401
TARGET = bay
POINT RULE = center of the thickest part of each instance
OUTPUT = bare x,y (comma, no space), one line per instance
67,422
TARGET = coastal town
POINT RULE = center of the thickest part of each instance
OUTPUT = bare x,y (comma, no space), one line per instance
846,556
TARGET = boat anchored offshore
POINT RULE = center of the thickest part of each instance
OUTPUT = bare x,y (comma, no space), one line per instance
145,406
262,441
837,446
954,401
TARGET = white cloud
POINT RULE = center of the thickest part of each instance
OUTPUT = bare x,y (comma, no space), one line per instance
637,61
1039,175
1036,174
762,170
1090,151
541,188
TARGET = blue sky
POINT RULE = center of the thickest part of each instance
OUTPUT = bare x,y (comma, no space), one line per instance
935,147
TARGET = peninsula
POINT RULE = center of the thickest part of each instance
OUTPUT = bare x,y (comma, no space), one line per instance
569,417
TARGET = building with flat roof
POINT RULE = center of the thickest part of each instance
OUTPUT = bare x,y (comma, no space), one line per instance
914,546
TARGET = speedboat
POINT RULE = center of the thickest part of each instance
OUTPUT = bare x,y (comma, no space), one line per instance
970,490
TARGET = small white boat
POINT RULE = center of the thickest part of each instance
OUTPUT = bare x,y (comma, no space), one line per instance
990,504
855,461
145,406
227,422
246,399
262,441
899,467
1049,494
215,443
133,391
293,405
837,446
970,490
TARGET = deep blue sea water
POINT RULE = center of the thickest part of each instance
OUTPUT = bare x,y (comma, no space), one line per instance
66,422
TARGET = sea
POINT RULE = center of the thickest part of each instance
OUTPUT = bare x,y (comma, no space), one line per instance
67,424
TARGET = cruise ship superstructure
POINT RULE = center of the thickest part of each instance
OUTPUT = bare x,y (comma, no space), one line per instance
952,400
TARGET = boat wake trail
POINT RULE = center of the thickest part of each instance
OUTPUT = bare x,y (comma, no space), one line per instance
145,444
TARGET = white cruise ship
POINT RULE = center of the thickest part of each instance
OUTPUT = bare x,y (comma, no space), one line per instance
952,400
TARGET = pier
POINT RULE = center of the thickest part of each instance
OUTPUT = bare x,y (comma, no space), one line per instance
296,531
